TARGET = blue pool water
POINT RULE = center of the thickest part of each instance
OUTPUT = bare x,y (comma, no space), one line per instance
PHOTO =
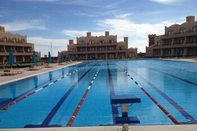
56,94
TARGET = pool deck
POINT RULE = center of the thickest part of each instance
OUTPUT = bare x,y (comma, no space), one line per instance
25,74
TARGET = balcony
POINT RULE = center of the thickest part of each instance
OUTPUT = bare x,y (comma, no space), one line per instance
176,35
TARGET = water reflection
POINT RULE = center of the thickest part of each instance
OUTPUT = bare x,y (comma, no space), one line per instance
50,76
13,90
36,81
62,72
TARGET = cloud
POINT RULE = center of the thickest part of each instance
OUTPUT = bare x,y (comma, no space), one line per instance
77,33
24,25
137,32
167,1
74,33
123,16
45,45
80,13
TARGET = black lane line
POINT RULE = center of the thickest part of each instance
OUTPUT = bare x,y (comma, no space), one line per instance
171,101
49,117
112,92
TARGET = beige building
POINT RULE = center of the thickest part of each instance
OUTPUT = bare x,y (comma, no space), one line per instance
177,41
22,50
98,47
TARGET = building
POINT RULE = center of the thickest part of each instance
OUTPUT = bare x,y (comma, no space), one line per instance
178,41
98,47
22,50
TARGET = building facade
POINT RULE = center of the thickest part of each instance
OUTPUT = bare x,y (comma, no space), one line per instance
178,40
22,50
98,47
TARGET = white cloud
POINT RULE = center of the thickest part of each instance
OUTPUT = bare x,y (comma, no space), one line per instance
137,33
84,14
123,16
44,45
124,27
74,33
24,25
77,33
167,1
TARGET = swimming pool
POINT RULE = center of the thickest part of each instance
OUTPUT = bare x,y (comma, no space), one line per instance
51,99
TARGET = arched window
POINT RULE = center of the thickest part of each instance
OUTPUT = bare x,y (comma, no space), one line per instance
4,38
81,42
158,43
14,39
101,42
170,32
111,41
194,29
182,30
91,42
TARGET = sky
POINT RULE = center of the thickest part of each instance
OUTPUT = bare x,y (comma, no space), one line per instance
49,24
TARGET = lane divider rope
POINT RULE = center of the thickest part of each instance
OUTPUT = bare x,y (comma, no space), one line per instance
153,99
7,105
72,118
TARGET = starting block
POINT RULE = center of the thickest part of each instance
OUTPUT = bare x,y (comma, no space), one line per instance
124,100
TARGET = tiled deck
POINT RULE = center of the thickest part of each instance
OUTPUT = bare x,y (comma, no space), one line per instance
113,128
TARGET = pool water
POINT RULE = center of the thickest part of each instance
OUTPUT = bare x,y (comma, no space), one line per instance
52,98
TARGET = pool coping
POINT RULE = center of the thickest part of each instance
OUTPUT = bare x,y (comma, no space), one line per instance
112,128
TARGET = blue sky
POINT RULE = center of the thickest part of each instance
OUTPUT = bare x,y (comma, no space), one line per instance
54,22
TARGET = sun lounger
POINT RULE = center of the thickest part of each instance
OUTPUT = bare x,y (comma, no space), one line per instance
34,68
7,72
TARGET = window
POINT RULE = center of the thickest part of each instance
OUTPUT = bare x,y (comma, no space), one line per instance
101,42
4,39
81,42
170,32
121,48
82,49
111,41
101,49
181,31
194,29
149,53
90,49
111,55
72,49
91,42
159,43
111,48
181,41
194,40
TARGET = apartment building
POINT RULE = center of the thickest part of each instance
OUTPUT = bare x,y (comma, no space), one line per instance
22,50
98,47
178,40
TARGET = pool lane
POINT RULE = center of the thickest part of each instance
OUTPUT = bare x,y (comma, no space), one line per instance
52,113
112,92
185,80
171,101
9,102
74,115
